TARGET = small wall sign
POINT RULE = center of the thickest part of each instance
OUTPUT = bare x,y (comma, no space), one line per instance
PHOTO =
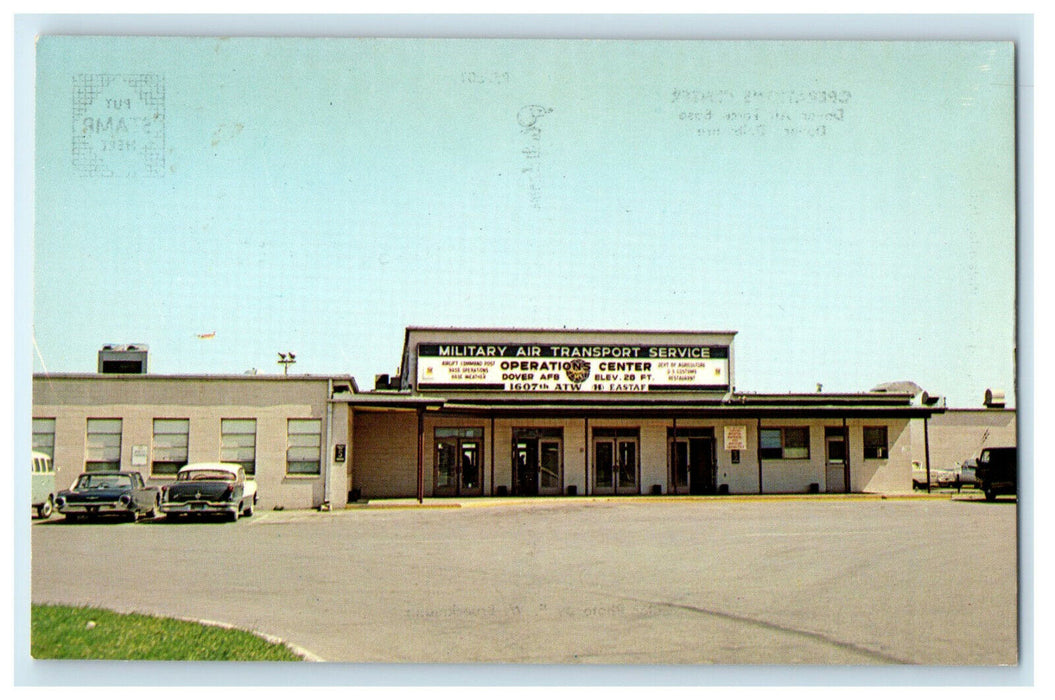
140,455
736,437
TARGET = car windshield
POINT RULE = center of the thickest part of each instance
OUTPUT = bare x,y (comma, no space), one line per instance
104,481
205,475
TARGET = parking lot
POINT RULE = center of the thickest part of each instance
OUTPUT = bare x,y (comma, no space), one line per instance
705,581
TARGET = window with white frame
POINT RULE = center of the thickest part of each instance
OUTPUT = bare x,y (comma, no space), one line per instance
875,442
171,438
44,436
102,450
785,443
304,446
238,443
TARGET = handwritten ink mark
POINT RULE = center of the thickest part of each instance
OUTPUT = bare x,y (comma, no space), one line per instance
529,114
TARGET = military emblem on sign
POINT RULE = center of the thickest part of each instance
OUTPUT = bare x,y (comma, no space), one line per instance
577,370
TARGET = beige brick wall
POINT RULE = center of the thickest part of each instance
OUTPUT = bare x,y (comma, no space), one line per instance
204,402
386,454
960,434
891,475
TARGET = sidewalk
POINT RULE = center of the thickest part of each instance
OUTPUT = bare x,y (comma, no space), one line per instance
495,501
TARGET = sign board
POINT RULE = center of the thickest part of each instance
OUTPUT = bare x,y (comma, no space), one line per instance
736,437
340,452
572,368
140,455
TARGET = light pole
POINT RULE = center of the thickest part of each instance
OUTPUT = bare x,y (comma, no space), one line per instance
286,359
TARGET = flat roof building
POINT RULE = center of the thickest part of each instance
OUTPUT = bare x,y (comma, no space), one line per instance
491,412
527,412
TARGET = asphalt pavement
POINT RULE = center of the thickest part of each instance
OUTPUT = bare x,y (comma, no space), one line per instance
570,581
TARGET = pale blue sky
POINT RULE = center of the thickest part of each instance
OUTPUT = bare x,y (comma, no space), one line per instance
320,195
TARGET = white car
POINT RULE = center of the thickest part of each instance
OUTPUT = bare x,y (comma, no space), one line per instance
210,488
43,485
938,477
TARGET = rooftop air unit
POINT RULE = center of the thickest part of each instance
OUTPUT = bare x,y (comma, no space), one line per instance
123,359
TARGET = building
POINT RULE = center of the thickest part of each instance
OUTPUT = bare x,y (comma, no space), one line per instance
492,412
959,434
280,429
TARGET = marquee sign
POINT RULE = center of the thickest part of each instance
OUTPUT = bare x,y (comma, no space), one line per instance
572,368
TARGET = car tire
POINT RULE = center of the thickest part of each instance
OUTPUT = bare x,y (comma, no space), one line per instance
45,509
248,512
153,512
233,517
990,495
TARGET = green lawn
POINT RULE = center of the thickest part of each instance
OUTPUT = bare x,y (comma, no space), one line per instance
60,632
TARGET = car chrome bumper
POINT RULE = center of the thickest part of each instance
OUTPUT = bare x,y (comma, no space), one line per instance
93,508
198,507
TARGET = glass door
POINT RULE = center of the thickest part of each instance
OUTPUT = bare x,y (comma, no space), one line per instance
445,479
627,478
458,467
835,460
701,466
679,476
470,476
550,477
538,463
691,460
525,467
615,462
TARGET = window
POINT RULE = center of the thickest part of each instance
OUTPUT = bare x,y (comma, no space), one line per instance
170,445
238,443
875,443
103,445
785,443
471,433
304,446
44,436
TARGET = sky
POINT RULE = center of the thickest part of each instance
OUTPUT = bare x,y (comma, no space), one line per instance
847,207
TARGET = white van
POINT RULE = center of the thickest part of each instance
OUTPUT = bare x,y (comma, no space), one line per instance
43,485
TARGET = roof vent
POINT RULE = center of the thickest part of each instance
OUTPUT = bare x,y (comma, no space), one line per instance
929,400
994,398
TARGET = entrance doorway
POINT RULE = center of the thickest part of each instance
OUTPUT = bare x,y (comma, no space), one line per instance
615,461
691,459
835,451
538,468
458,467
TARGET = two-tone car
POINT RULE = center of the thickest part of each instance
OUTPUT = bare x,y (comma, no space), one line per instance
122,494
210,488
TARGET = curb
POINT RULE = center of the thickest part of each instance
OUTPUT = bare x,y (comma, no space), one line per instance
270,638
400,504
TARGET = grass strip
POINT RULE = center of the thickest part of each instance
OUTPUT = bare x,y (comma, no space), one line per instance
62,632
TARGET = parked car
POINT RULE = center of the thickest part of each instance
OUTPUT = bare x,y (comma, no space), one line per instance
210,488
108,493
43,487
938,477
997,471
968,472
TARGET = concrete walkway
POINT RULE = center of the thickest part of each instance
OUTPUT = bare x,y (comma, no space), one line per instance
495,501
